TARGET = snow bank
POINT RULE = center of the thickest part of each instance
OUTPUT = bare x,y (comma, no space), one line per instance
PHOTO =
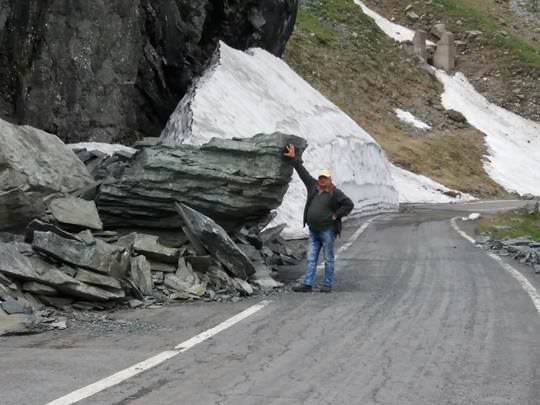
408,118
415,188
245,93
395,31
513,141
106,148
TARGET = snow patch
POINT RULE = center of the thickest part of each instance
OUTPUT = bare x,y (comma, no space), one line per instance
246,93
513,142
106,148
410,119
415,188
473,217
395,31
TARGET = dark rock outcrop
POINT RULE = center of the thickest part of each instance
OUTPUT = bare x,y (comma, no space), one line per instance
231,181
114,70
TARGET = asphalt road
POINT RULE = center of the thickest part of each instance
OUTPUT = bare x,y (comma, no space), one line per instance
418,316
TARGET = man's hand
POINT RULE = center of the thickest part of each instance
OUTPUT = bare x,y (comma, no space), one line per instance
334,217
290,151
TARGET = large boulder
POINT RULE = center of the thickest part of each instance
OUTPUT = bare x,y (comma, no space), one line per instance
231,181
34,165
111,70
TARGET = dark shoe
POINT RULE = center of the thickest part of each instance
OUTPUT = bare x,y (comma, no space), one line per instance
326,289
302,288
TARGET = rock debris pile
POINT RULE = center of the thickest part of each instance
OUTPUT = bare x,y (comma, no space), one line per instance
524,250
157,225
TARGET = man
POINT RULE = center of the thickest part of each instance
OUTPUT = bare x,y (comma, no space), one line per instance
326,205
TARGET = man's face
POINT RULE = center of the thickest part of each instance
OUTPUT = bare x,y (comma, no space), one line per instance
325,182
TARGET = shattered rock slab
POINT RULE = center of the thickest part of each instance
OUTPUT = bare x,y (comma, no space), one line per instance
95,255
76,212
141,275
16,265
218,243
185,280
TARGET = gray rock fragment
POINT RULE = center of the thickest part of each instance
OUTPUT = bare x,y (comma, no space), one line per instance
242,286
158,277
14,264
56,302
94,255
39,288
162,267
76,212
200,264
185,280
263,278
141,275
90,277
13,325
34,165
12,306
214,238
149,246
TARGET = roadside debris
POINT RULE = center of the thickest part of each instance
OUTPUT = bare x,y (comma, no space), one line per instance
68,260
524,250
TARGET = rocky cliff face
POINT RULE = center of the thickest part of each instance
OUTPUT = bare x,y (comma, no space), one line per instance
115,70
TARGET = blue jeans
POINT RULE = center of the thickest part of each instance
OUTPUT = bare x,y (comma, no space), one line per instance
317,240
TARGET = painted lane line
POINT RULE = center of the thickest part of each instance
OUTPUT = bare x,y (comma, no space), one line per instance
521,279
121,376
463,234
357,234
352,239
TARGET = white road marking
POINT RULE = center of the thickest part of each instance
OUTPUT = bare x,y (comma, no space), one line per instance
522,280
356,235
352,239
154,361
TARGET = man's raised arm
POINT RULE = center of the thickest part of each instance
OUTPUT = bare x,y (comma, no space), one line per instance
300,169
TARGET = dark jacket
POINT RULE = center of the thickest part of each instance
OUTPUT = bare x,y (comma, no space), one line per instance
341,204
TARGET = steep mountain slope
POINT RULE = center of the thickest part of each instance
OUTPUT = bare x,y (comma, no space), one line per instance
502,58
343,54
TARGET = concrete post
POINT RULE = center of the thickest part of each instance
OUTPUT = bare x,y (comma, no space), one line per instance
445,55
419,42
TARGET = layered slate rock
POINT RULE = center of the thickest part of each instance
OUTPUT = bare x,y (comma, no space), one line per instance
34,165
18,266
114,70
94,255
141,274
214,238
232,181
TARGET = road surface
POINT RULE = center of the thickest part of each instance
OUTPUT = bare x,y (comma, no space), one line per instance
418,316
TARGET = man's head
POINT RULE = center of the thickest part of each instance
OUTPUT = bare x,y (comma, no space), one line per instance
325,180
